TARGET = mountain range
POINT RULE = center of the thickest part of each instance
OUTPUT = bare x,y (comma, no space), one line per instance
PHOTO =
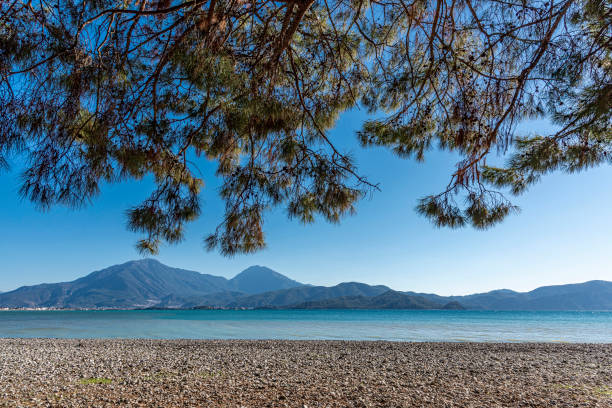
146,283
592,295
150,284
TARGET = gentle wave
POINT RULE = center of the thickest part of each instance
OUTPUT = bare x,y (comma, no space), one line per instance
396,325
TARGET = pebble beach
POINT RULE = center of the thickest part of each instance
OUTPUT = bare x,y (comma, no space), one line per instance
238,373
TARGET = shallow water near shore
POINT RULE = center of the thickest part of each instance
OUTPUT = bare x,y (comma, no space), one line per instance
396,325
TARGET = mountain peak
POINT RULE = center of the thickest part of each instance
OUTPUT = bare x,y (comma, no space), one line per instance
257,279
257,270
145,261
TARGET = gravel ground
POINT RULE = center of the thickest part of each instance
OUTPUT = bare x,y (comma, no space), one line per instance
192,373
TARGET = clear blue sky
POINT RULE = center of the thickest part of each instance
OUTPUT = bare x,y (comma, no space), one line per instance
562,234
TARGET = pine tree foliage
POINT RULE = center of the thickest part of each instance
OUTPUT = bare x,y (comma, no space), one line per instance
101,91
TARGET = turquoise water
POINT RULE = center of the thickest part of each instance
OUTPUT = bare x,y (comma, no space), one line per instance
399,325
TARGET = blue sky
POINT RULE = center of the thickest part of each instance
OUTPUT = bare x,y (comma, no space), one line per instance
562,234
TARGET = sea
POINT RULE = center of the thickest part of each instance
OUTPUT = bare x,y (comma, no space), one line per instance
392,325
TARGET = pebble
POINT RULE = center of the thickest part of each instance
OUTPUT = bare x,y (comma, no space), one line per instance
306,374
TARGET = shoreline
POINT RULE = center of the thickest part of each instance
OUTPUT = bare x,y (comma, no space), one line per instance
296,373
269,308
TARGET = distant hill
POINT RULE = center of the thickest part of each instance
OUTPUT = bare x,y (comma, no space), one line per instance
387,300
144,283
592,295
151,284
258,279
303,294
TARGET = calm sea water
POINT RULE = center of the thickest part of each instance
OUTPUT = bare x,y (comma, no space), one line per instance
400,325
